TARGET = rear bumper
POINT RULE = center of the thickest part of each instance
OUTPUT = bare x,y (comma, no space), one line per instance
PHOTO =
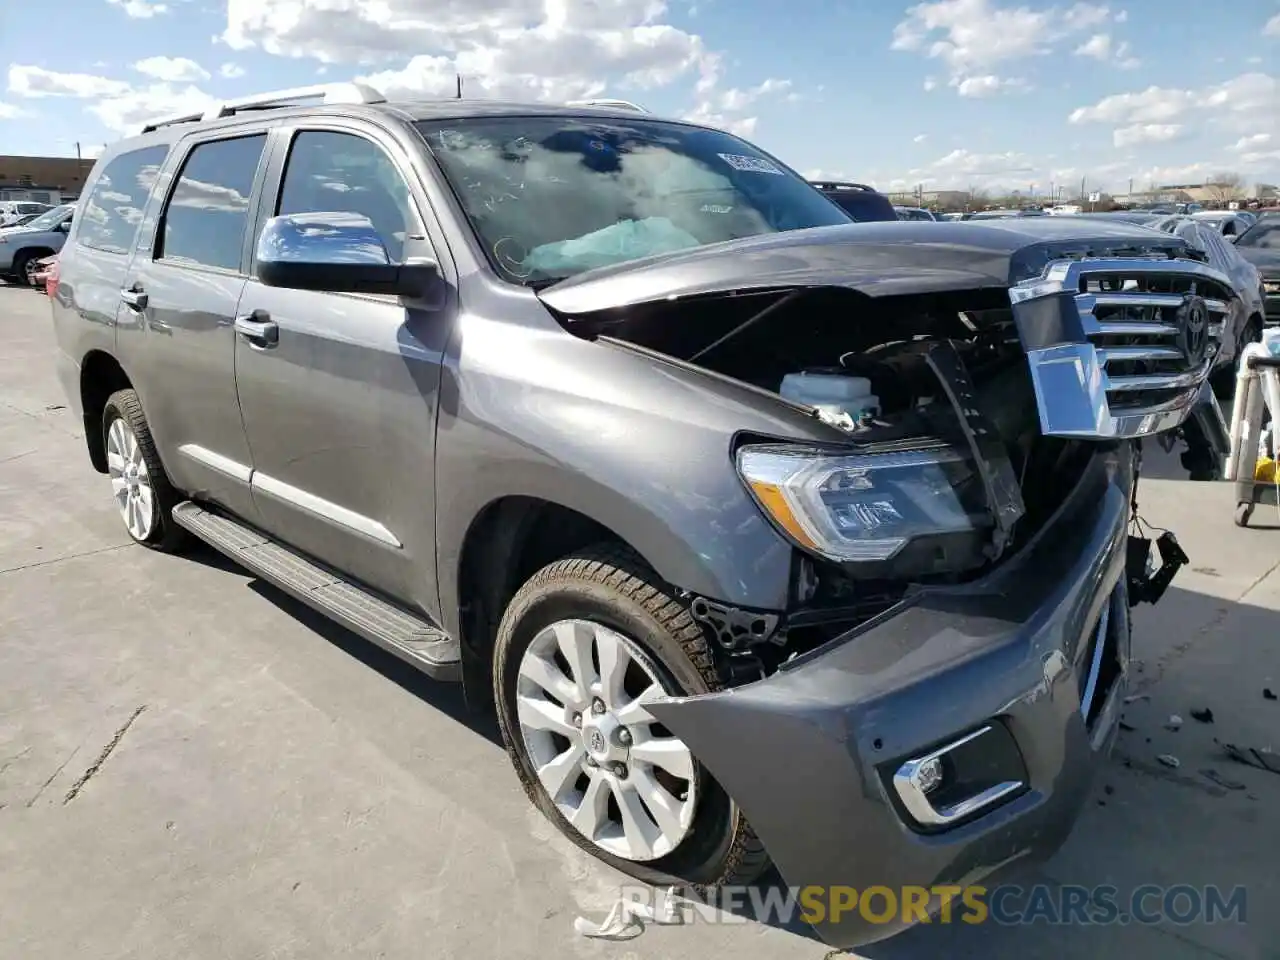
810,752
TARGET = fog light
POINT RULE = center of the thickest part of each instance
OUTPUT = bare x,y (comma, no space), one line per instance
928,775
960,780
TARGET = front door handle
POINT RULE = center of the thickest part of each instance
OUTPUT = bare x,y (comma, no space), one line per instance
258,329
134,297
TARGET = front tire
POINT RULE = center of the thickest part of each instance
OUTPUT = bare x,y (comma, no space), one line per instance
23,264
139,485
582,645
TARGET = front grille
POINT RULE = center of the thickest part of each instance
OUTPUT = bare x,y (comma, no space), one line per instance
1120,347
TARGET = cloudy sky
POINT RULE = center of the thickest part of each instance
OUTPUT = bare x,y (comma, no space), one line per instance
948,93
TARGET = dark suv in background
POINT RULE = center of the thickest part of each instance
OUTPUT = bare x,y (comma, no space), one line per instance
863,203
722,502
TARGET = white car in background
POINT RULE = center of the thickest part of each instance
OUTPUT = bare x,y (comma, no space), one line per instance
12,211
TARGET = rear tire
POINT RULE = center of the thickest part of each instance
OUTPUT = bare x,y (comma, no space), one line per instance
141,488
608,592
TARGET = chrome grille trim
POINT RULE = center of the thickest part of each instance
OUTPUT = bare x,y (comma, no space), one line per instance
1076,392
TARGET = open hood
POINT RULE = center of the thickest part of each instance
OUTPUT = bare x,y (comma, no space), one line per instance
876,259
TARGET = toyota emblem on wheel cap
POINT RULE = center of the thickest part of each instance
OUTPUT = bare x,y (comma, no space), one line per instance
1193,329
596,741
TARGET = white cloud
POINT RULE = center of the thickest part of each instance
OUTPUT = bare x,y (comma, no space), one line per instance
920,138
706,115
526,49
125,111
1250,142
1122,16
973,36
985,86
735,99
1140,133
1098,46
140,9
1272,27
30,81
172,69
231,71
8,111
92,151
1101,47
930,84
1249,103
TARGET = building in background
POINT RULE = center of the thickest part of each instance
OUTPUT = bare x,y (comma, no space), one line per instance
51,180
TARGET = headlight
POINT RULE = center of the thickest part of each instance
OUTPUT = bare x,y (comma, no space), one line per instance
874,507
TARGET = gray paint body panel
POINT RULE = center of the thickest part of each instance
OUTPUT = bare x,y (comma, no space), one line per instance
410,419
1012,647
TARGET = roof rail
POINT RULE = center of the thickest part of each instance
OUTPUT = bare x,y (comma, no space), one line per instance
841,184
326,93
609,105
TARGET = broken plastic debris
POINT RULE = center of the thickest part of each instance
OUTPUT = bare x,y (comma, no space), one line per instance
1173,723
1253,757
627,918
1169,760
1136,697
1202,716
1268,693
1220,780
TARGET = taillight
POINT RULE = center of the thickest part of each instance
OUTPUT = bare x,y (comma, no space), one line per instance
51,279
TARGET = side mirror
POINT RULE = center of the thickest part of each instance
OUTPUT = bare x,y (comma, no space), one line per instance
1231,237
64,227
336,252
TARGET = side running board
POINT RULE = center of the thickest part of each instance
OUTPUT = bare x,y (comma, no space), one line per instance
402,633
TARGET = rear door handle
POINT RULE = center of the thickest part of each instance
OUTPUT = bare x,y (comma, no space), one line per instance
135,298
258,329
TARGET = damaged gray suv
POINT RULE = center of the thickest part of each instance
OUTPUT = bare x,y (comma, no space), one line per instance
768,535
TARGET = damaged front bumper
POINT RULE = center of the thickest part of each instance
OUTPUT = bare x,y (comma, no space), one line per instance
947,739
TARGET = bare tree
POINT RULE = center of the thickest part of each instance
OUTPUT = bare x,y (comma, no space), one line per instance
1225,187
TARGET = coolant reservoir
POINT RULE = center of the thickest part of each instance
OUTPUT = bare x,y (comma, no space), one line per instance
833,393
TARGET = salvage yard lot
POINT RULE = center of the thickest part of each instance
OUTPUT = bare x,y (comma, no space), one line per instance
276,787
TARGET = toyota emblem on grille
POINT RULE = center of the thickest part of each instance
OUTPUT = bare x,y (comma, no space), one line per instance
1193,329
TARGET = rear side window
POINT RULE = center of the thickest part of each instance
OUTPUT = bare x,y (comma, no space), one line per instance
205,220
113,210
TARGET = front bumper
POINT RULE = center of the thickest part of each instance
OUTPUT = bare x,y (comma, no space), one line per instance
810,752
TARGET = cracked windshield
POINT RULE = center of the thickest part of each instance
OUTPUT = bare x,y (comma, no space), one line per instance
551,197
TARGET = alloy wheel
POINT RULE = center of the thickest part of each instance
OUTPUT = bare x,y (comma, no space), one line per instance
616,774
130,480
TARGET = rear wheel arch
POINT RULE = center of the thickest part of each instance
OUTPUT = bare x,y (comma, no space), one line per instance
100,376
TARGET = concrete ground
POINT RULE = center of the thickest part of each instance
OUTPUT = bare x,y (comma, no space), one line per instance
278,788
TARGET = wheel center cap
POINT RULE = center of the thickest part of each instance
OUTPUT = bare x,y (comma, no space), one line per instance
600,738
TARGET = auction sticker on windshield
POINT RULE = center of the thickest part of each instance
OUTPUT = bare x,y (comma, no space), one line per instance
750,164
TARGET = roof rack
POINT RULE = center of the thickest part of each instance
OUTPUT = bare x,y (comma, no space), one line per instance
326,93
841,185
609,104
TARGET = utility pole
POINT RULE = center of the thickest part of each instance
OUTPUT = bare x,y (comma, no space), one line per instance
1130,197
459,79
78,157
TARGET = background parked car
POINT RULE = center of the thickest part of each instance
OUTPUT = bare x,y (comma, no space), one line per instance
44,272
1260,245
1005,214
12,210
1245,324
858,200
1229,223
22,247
914,213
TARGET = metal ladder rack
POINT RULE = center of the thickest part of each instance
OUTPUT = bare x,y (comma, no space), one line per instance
327,93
